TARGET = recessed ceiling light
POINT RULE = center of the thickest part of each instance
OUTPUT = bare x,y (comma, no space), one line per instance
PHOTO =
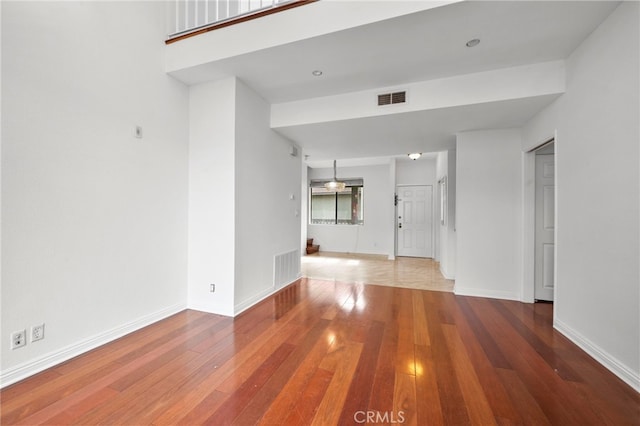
316,73
473,42
415,155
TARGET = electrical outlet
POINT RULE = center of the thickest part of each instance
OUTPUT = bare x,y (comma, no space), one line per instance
37,332
18,339
212,288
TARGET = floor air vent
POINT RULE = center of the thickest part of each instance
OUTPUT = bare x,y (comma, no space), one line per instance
392,98
286,268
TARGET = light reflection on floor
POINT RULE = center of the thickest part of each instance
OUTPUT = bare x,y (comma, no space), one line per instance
407,272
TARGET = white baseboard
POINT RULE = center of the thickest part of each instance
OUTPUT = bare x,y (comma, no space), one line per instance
477,292
29,368
203,307
243,306
445,275
630,377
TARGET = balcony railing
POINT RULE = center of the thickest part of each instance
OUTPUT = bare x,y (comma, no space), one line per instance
189,17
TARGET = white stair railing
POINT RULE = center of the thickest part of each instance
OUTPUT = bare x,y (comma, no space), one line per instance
191,15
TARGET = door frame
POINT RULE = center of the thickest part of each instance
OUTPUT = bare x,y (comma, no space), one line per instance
527,291
395,218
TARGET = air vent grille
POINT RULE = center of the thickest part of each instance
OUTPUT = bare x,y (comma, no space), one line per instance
398,97
384,99
392,98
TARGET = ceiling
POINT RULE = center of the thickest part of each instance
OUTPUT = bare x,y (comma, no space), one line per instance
400,134
416,47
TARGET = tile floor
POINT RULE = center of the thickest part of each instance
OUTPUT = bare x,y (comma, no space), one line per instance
406,272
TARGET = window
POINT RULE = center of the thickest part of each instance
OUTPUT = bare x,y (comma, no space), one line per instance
336,207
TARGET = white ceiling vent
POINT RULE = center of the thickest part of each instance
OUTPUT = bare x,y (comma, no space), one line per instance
392,98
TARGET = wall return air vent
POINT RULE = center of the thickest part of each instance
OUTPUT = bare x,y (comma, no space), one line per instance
392,98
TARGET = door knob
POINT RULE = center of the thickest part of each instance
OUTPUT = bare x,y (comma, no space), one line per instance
399,225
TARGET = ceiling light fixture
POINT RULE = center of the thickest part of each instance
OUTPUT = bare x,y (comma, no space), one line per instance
473,42
316,73
335,184
415,155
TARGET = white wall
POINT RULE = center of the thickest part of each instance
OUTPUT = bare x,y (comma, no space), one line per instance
373,236
449,271
94,221
489,210
1,206
304,204
597,157
267,219
241,177
212,204
418,172
446,168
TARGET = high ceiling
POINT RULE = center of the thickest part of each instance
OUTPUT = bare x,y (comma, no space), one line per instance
416,47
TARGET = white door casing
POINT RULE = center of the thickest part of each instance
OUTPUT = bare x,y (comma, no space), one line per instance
544,276
414,225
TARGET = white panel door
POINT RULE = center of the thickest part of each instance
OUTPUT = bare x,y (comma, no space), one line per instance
545,227
415,221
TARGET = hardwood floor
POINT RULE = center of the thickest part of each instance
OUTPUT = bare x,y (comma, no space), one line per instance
329,353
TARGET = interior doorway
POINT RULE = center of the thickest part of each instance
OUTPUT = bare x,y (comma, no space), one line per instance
544,239
414,221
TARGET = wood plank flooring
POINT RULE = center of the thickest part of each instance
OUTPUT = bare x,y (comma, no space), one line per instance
331,353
